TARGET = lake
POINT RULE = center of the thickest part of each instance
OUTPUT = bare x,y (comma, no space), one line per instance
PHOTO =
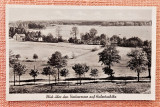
143,32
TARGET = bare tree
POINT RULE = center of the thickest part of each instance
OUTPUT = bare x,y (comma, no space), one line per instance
58,31
74,32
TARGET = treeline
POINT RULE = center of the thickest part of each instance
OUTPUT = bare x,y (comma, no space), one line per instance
34,35
109,23
90,38
130,42
36,26
50,38
14,30
43,24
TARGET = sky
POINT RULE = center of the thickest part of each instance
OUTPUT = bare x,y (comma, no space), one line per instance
30,14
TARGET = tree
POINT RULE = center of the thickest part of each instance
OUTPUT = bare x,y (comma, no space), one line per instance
57,61
93,32
19,70
74,32
58,31
86,38
148,51
108,56
50,38
116,39
64,72
54,74
48,72
18,56
86,68
103,37
138,61
133,42
80,69
109,72
94,73
11,58
35,56
34,73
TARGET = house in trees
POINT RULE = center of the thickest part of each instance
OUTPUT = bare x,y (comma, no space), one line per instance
19,37
40,39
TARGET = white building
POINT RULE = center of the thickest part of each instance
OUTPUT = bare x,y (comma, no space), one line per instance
19,37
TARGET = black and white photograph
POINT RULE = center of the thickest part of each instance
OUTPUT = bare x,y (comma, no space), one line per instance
80,52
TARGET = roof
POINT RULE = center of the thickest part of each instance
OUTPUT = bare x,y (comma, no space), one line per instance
21,35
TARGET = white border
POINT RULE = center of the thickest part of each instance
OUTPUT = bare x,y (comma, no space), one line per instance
37,96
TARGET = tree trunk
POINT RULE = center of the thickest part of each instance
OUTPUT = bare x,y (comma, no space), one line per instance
80,79
58,75
111,77
49,79
14,78
138,76
149,72
77,80
34,80
55,80
19,79
68,83
65,80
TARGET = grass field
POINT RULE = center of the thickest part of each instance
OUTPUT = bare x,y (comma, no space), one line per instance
101,87
83,54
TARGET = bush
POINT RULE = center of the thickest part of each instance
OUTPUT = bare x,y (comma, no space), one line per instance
60,39
50,38
66,57
94,49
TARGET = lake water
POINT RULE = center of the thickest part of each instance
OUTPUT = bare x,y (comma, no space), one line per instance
143,32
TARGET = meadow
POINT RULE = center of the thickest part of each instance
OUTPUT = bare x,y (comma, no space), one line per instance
125,80
83,54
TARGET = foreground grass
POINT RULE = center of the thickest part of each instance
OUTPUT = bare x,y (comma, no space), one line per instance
99,87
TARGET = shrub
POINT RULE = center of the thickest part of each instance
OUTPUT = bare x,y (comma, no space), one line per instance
94,49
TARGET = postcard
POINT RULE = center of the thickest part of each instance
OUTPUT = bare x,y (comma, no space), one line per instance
80,52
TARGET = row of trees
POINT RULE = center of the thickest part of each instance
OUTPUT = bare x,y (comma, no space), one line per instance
92,38
36,26
88,38
18,68
130,42
140,60
56,61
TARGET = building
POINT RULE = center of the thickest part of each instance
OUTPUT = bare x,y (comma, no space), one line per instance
40,39
19,37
